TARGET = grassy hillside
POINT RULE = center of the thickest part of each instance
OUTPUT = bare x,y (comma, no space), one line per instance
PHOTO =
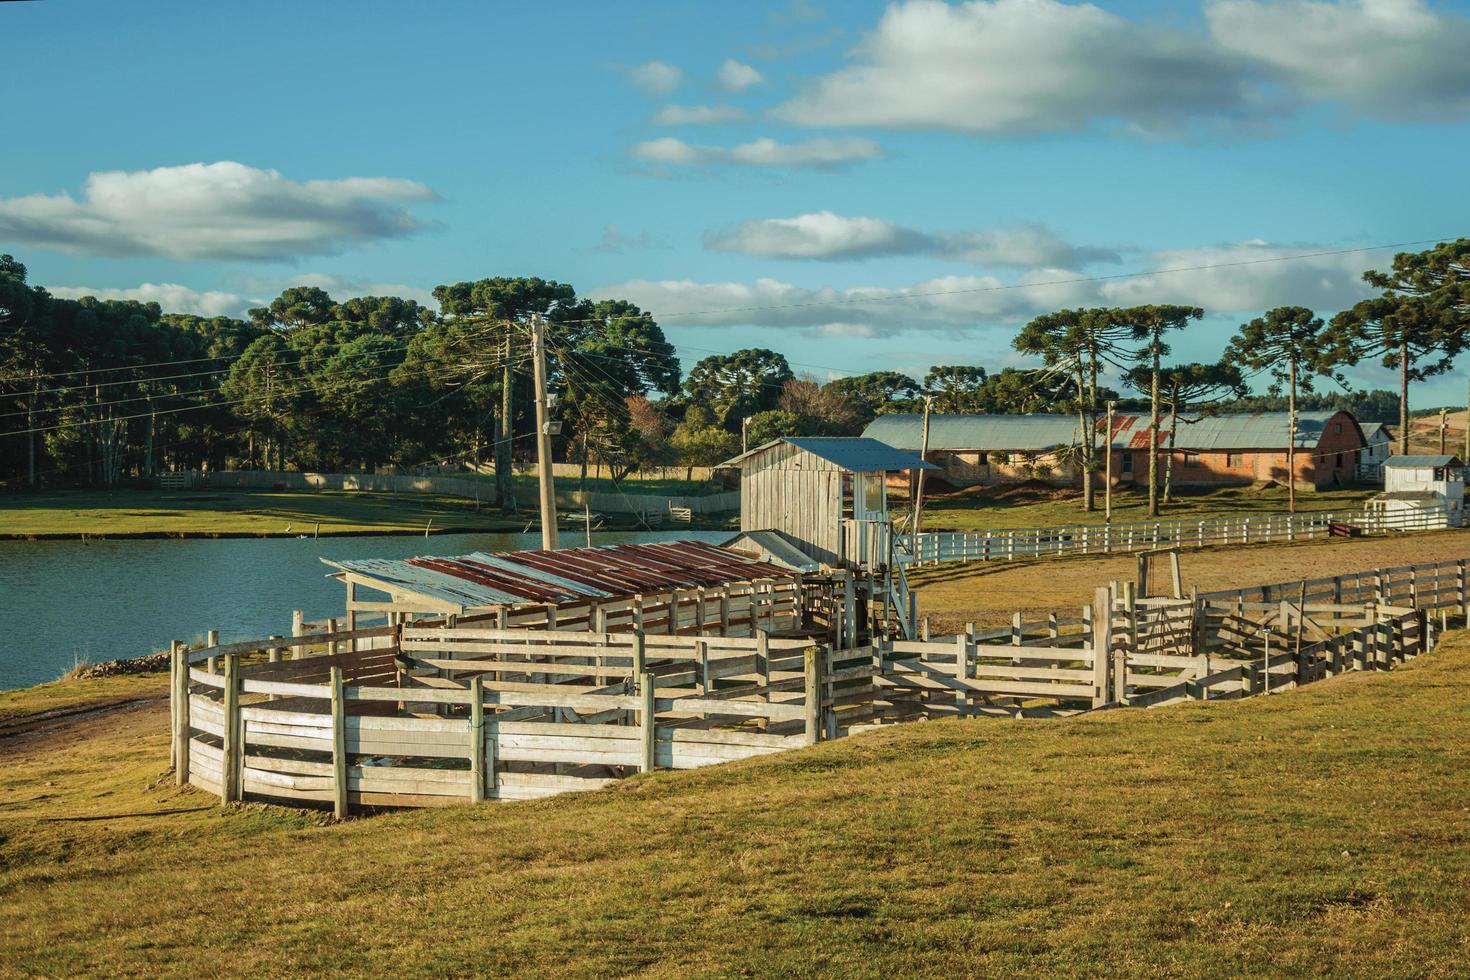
1318,831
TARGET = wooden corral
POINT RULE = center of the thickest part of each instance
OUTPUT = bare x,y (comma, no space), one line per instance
438,712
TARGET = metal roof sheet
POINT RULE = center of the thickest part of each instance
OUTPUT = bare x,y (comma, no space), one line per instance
856,454
1420,461
1038,433
519,577
776,546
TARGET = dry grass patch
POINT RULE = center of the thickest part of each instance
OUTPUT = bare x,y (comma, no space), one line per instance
1324,830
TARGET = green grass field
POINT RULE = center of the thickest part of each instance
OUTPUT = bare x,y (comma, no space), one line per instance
126,512
1320,831
988,508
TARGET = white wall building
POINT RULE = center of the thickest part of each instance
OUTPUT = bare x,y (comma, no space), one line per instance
1375,454
1421,485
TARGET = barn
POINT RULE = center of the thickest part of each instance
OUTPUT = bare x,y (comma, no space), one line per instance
1219,450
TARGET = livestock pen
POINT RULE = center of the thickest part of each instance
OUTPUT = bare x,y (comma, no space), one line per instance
435,711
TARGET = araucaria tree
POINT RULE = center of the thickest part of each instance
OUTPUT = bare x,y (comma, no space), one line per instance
1185,386
1290,343
1148,324
1076,344
1419,323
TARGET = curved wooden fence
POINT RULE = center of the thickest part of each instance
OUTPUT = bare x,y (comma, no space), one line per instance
435,713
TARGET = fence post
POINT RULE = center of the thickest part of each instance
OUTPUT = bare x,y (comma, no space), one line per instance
813,694
211,639
961,670
180,699
230,763
477,739
339,746
1462,594
298,629
1120,664
648,722
1102,642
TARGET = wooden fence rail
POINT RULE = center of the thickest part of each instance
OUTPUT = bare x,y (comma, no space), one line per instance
433,714
933,547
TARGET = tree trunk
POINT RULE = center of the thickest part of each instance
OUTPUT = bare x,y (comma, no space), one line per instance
1153,434
1291,436
1084,444
1404,398
32,404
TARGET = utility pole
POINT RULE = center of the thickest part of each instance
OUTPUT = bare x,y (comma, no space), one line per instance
1291,441
743,423
543,434
923,451
1108,475
1443,428
507,412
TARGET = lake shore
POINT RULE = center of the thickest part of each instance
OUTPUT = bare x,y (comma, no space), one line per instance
71,515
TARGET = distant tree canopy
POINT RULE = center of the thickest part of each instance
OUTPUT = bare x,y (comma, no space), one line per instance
97,391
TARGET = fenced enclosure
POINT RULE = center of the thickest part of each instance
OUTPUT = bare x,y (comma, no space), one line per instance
933,547
436,712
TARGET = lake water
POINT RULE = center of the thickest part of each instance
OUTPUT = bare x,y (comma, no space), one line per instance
62,601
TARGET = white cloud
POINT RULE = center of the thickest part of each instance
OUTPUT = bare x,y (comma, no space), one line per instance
615,241
821,235
1244,281
764,152
735,76
656,77
953,303
345,287
172,297
222,210
825,235
1385,58
1243,278
1025,66
1012,67
697,115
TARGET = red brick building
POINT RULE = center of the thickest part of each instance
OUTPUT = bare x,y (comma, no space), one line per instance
1223,450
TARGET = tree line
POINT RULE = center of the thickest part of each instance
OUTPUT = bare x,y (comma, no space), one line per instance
95,392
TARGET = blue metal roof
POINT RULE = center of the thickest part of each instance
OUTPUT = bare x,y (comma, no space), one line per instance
856,454
1414,462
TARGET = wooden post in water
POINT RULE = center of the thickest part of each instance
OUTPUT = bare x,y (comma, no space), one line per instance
477,739
339,746
230,763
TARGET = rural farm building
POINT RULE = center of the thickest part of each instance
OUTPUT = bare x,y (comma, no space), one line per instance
1218,450
1379,444
1422,484
826,496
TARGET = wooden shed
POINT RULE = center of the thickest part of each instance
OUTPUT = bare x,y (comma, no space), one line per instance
827,496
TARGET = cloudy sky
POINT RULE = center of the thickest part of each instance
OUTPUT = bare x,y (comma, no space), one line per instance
860,185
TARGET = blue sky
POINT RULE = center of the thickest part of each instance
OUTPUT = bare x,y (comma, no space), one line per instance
857,150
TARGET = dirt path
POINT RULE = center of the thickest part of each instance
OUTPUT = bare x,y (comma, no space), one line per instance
47,730
989,593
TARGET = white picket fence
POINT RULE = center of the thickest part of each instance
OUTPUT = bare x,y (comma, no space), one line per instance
933,547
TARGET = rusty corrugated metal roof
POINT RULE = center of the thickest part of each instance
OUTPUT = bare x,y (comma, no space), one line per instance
520,577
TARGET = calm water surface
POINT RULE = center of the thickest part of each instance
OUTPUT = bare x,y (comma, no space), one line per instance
62,602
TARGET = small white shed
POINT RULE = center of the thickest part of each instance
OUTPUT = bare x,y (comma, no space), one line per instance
1421,484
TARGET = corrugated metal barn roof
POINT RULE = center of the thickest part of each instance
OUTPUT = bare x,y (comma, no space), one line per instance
856,454
1416,462
483,579
1038,433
